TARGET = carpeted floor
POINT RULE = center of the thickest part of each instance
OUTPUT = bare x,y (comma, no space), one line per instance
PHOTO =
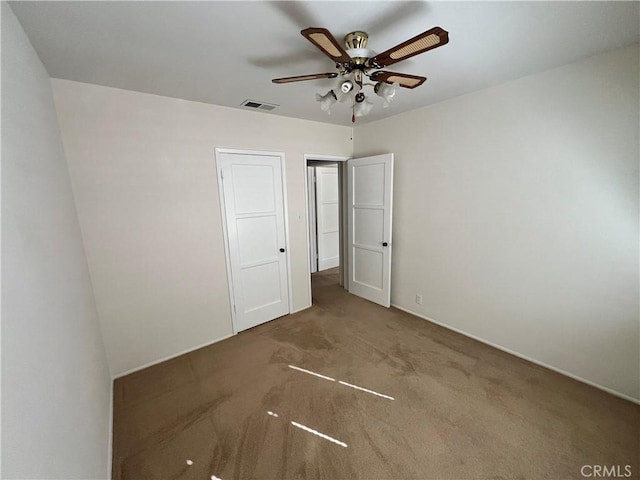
451,408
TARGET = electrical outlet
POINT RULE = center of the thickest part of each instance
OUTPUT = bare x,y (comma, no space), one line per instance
418,299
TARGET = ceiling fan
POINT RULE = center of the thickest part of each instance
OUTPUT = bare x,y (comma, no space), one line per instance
357,62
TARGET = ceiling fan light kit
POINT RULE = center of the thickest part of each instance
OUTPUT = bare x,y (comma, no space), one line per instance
357,62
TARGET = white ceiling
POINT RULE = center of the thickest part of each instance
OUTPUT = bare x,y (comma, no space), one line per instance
226,52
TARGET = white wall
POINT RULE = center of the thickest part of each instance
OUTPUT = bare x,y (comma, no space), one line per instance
516,215
55,380
143,173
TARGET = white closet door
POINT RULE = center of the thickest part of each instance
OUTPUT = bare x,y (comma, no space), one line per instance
370,202
328,217
255,226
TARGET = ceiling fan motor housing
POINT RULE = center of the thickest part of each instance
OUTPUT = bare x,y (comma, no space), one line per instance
357,39
356,43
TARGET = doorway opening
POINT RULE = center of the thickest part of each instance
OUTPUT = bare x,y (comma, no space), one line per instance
326,221
365,210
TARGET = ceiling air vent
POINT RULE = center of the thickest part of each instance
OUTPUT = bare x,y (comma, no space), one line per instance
258,105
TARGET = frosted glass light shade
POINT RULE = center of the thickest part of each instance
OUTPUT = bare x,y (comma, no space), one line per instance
362,108
326,100
346,86
386,91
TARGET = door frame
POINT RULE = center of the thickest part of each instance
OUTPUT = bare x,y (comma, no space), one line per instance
312,219
218,152
341,161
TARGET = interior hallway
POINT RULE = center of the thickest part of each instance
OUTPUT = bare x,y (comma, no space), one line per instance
460,409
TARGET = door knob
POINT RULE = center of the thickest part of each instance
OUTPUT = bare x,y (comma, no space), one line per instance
385,244
282,250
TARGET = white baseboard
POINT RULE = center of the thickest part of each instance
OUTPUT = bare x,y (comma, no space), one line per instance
164,359
301,309
524,357
328,263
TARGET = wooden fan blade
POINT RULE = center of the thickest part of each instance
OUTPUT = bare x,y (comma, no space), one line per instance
436,37
404,79
302,78
322,38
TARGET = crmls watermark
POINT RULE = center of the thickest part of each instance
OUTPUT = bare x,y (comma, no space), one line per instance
600,471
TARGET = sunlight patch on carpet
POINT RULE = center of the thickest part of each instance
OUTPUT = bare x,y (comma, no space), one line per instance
319,434
372,392
312,373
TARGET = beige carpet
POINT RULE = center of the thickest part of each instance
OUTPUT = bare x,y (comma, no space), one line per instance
460,409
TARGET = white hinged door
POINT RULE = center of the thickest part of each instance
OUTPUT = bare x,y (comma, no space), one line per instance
370,202
253,204
328,217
